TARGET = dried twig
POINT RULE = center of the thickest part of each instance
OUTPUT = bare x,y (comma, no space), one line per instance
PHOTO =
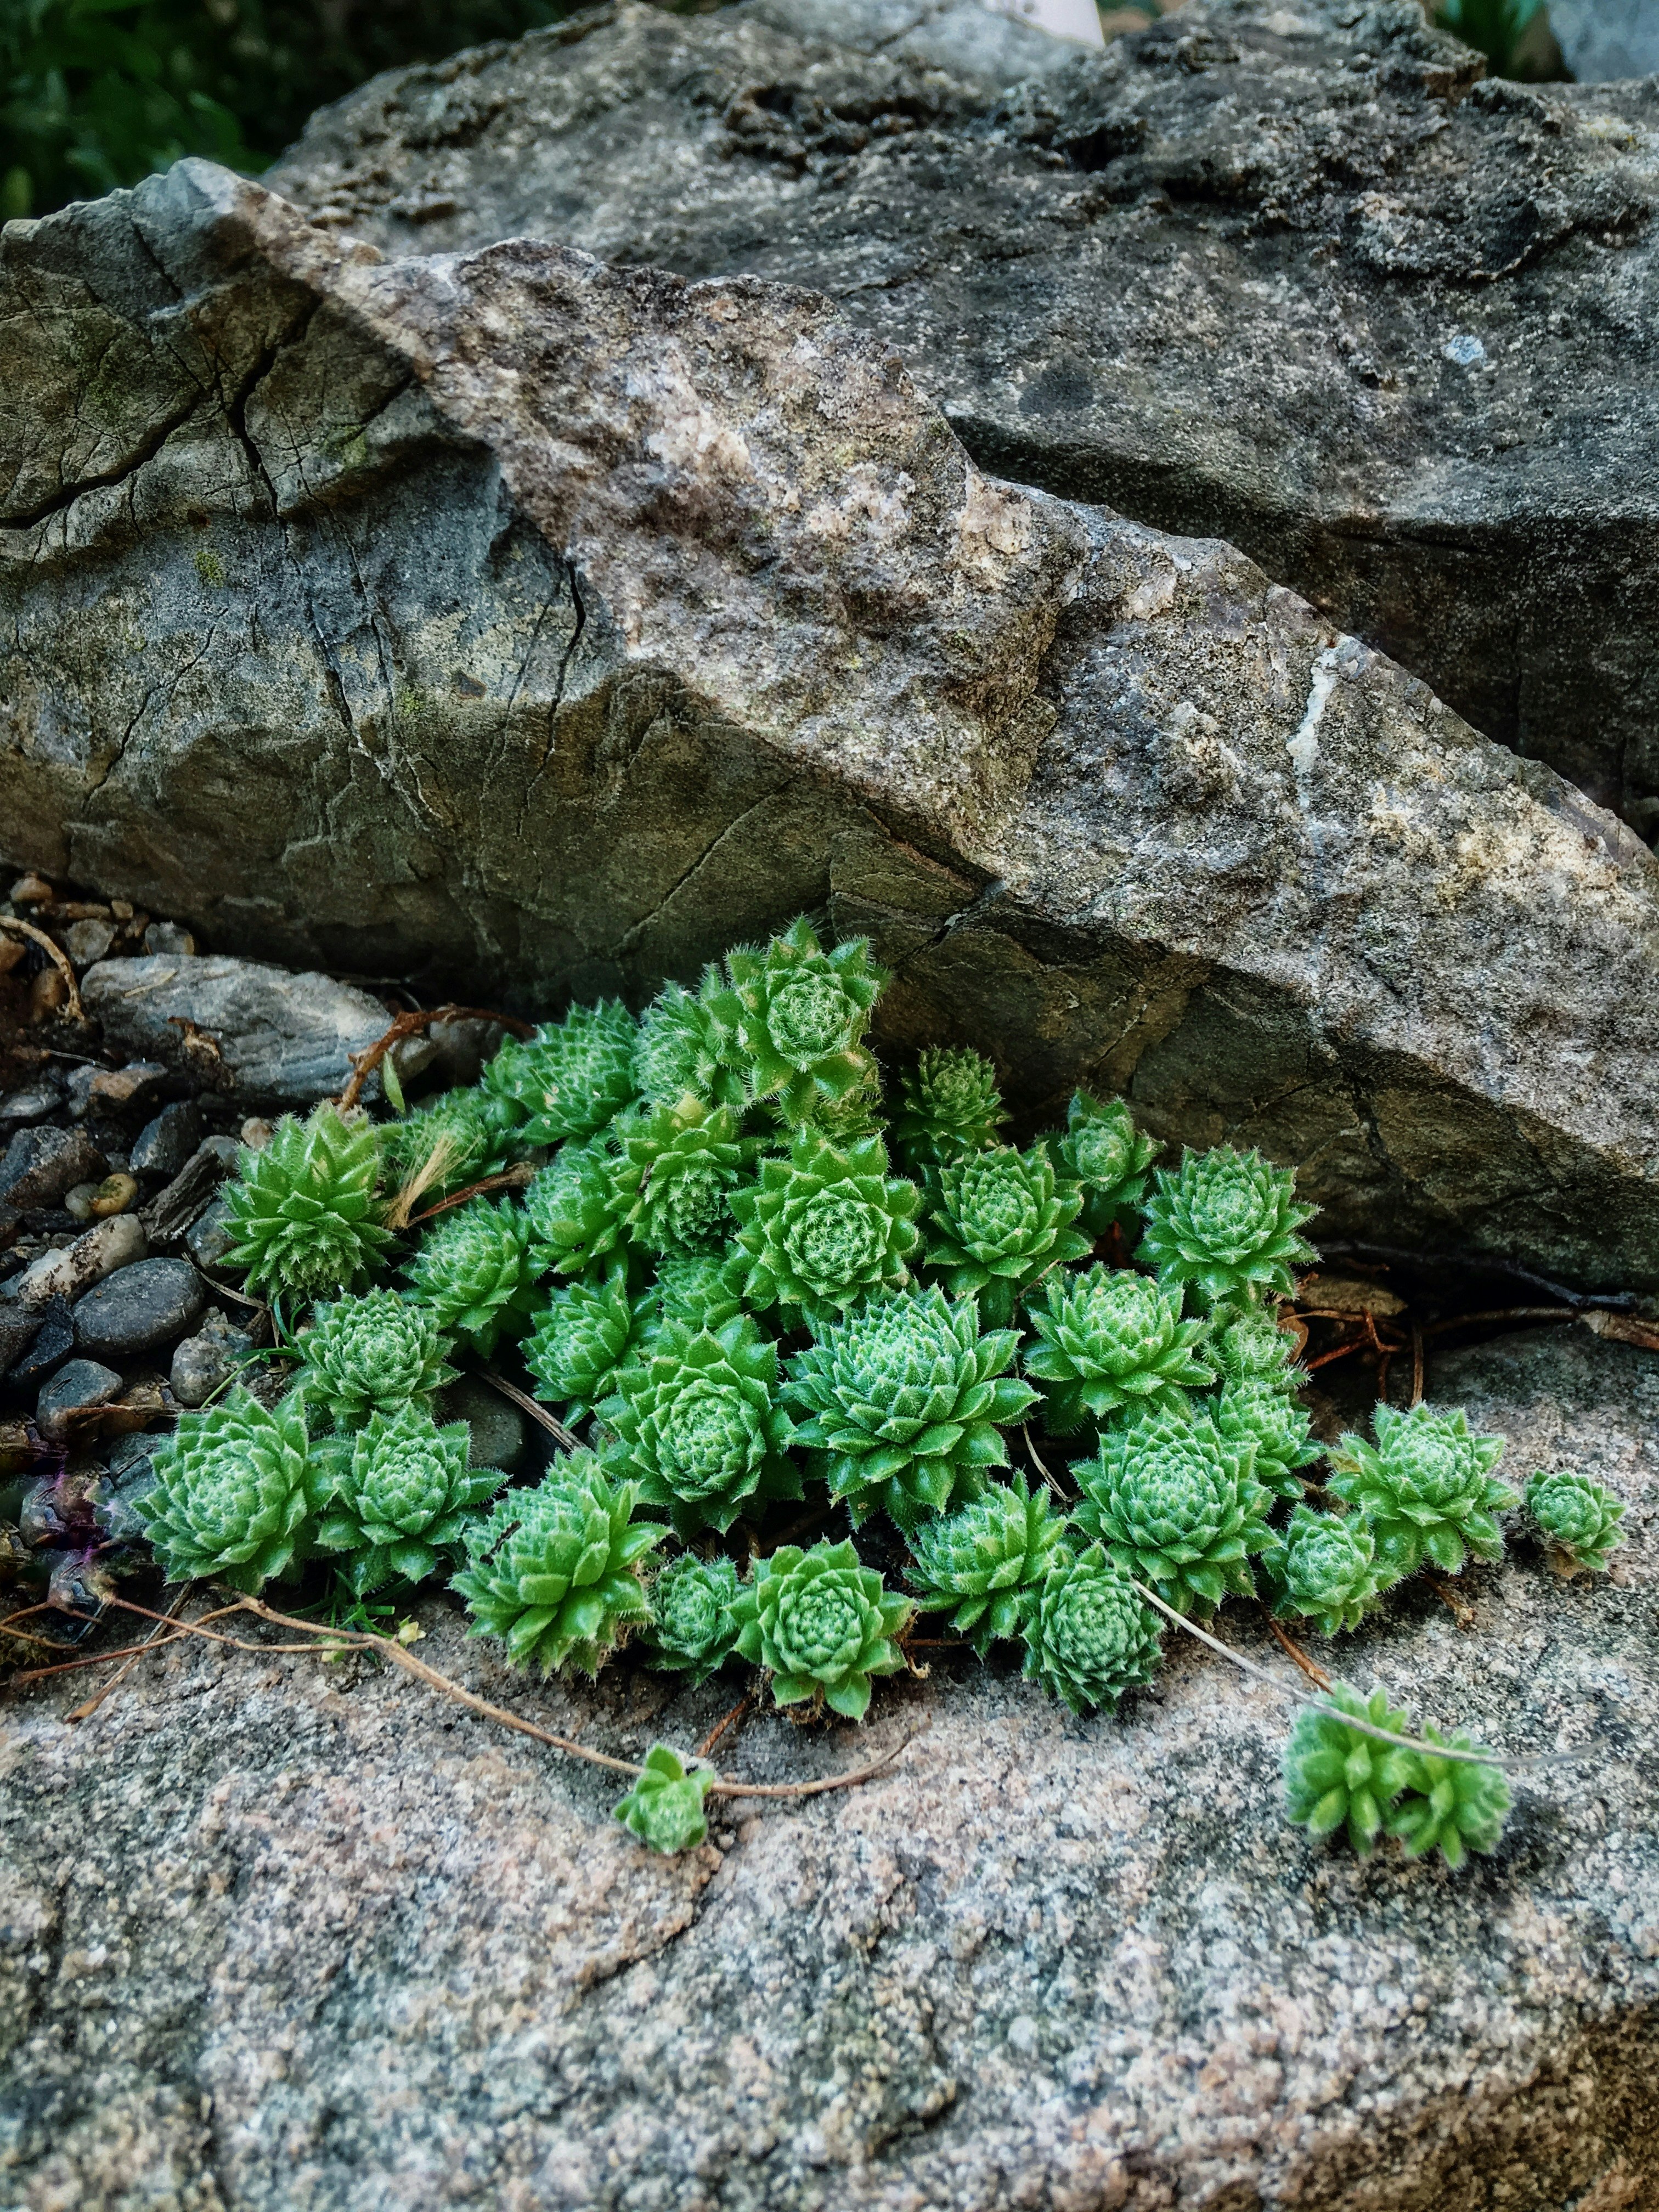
1314,1673
85,1711
555,1427
513,1178
720,1726
1417,1361
364,1064
1501,1313
55,953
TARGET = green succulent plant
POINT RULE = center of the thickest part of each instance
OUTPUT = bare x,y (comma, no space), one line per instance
682,1052
447,1142
404,1497
904,1406
1111,1343
1226,1223
823,1624
1247,1345
682,1163
1258,1410
1324,1569
697,1424
983,1563
554,1572
1090,1636
1176,1504
694,1290
571,1077
948,1106
1106,1156
301,1214
577,1208
692,1631
1426,1487
370,1355
1450,1804
1576,1518
998,1220
664,1808
233,1493
793,1017
822,1227
1338,1777
582,1335
472,1270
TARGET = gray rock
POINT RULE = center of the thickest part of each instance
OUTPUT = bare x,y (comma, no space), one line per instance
88,941
500,1432
75,1392
754,635
1291,275
1602,39
172,1209
211,1236
168,937
117,1243
164,1145
264,1036
203,1362
1073,1964
33,1102
19,1327
46,1348
138,1307
40,1166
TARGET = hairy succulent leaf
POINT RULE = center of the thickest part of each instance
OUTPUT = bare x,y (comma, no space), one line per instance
1450,1804
695,1291
823,1624
822,1227
301,1213
1426,1487
682,1052
1576,1518
583,1334
692,1629
1226,1223
370,1355
1089,1634
1176,1504
472,1269
682,1163
1105,1155
231,1493
1324,1568
571,1077
1110,1343
697,1426
403,1496
948,1106
904,1406
577,1207
1336,1776
554,1572
793,1017
1258,1410
982,1564
1247,1345
447,1142
998,1220
665,1807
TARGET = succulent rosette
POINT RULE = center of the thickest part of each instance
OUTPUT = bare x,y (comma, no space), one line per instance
577,1208
571,1077
586,1331
1226,1222
823,1226
1106,1158
1111,1343
694,1290
1426,1487
982,1564
1323,1568
403,1498
1089,1635
1336,1775
682,1163
302,1214
697,1425
1247,1345
1456,1805
446,1143
823,1624
472,1271
948,1106
692,1630
905,1404
998,1220
794,1015
682,1052
1258,1410
1576,1518
370,1355
233,1493
664,1809
555,1573
1177,1505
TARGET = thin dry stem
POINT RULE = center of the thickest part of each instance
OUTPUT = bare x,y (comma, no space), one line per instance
555,1427
55,953
1315,1673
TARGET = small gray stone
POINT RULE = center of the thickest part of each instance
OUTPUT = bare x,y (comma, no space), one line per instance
1605,40
31,1104
164,1146
138,1307
166,937
77,1203
71,1272
40,1165
172,1211
19,1326
205,1360
500,1432
211,1237
88,941
51,1344
73,1392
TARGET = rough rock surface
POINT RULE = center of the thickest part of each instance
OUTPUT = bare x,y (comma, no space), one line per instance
553,627
282,1936
1606,38
1291,275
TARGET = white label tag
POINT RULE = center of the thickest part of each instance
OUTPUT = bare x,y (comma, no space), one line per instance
1079,20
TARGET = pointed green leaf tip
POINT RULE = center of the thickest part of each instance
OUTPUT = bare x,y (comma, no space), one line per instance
665,1807
823,1227
1112,1343
450,1141
1576,1518
1177,1505
984,1565
904,1405
571,1077
231,1496
554,1572
792,1018
823,1624
473,1272
948,1106
403,1496
582,1335
1104,1154
370,1355
1259,1411
682,1052
1324,1569
1090,1636
998,1220
1451,1805
682,1163
1226,1223
301,1214
1425,1486
692,1629
1335,1776
576,1208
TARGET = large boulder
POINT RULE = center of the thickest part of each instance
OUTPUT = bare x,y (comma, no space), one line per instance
549,628
1294,275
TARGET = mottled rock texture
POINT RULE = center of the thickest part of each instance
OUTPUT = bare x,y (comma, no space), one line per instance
303,1939
1293,276
545,628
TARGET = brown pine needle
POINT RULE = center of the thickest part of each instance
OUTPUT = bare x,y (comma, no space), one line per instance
1315,1673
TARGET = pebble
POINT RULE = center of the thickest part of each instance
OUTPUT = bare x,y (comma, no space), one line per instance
52,1345
86,942
18,1329
121,1085
500,1434
209,1358
31,1104
78,1202
13,950
117,1243
166,937
75,1391
48,994
114,1195
31,889
137,1307
211,1238
40,1165
164,1146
